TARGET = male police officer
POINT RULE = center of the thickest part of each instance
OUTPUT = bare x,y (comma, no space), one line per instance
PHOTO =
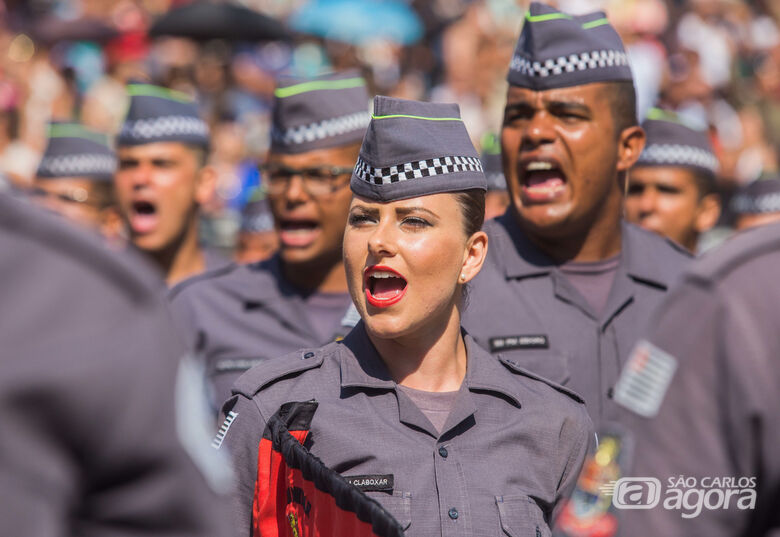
757,203
497,197
244,314
75,176
702,393
567,285
93,430
671,188
163,179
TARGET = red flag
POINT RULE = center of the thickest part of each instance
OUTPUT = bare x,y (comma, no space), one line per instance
296,495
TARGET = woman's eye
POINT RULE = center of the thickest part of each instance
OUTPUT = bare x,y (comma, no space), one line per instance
357,219
415,222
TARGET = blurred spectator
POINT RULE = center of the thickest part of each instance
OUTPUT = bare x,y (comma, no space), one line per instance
497,197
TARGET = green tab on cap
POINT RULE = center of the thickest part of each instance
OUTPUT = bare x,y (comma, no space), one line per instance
316,85
149,90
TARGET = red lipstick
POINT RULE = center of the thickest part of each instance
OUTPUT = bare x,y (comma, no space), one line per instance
383,285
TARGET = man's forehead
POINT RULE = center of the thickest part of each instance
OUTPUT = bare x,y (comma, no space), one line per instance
585,94
342,156
155,150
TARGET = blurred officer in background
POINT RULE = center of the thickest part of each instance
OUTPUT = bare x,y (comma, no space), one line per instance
163,179
447,438
497,197
75,177
568,286
95,439
242,315
257,237
671,188
701,393
757,203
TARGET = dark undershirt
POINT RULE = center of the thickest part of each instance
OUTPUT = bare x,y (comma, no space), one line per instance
435,405
325,312
593,280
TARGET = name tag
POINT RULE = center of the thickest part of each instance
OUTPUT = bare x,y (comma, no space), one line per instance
371,482
508,343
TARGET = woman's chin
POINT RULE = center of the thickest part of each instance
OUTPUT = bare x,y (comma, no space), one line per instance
386,326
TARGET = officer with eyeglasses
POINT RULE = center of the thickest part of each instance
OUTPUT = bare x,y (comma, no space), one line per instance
241,315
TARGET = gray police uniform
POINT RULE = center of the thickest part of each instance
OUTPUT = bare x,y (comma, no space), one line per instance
240,315
89,442
512,444
509,451
702,393
523,306
521,303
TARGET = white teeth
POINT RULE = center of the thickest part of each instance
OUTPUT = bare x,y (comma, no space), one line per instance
538,165
380,274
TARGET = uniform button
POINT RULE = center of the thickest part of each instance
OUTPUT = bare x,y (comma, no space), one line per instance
443,452
453,513
308,355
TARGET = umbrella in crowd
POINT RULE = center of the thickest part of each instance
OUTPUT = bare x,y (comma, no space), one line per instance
203,20
358,21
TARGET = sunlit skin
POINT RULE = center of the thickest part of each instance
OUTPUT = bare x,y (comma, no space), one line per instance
160,187
423,240
668,201
571,211
311,228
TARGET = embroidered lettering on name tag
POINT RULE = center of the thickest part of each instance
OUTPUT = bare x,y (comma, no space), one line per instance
529,341
371,482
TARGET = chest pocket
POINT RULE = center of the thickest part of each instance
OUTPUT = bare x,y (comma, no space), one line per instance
398,504
521,517
548,363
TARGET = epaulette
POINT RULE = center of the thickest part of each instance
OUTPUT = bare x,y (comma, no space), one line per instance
270,371
516,368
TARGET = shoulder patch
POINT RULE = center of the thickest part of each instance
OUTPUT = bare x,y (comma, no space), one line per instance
645,379
269,371
516,368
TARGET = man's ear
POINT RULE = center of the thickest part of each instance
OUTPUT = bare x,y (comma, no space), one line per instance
630,144
206,184
707,213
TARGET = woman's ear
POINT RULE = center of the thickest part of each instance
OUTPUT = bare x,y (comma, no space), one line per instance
473,256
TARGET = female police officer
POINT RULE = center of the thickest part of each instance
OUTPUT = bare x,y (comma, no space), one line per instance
449,439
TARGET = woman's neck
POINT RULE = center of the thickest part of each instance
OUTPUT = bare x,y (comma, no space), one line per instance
434,359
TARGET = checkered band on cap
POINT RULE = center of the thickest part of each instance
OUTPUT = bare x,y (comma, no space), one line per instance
77,165
678,155
568,64
414,170
162,127
321,130
768,203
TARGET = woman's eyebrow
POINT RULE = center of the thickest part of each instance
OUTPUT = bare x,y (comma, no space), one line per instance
365,210
403,211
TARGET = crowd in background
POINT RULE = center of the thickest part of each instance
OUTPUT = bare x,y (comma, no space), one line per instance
716,62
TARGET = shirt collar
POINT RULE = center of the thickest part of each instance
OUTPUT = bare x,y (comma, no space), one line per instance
639,254
361,366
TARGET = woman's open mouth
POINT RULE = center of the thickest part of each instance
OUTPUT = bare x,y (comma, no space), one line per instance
384,286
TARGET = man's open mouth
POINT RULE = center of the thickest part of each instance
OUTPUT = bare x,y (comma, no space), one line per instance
298,233
541,180
143,216
384,286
